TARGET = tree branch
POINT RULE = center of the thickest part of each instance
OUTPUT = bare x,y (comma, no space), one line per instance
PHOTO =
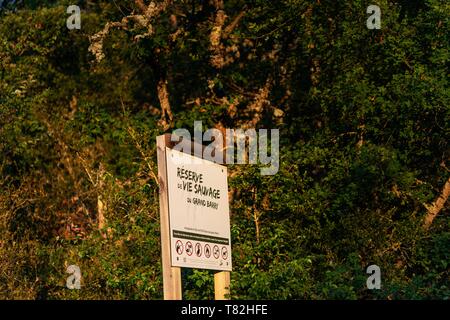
437,205
229,29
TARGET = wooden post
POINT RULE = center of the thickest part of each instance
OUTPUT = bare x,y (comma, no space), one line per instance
171,275
222,278
222,285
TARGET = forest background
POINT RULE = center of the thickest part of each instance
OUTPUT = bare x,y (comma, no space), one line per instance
364,128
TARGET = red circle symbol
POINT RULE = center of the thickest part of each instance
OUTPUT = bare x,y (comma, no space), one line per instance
189,248
207,251
224,253
216,252
179,247
198,249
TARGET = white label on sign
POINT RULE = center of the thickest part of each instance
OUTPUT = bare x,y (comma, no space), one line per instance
198,212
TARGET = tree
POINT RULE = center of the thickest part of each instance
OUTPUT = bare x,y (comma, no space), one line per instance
363,116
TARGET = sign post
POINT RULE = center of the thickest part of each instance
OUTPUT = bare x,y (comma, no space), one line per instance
171,275
195,221
222,285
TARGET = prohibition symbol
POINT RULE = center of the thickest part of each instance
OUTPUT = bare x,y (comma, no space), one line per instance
216,252
179,247
224,253
198,249
207,251
189,248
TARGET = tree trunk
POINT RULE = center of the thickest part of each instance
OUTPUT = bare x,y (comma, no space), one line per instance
163,96
437,205
101,204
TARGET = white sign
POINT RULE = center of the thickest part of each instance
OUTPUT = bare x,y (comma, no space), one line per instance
199,215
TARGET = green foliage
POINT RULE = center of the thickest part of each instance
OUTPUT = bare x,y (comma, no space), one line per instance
363,116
